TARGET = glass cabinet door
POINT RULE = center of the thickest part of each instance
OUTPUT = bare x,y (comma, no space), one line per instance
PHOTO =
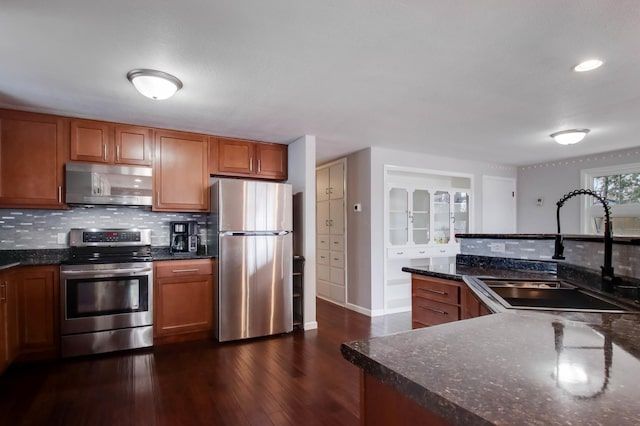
441,217
398,216
420,216
460,213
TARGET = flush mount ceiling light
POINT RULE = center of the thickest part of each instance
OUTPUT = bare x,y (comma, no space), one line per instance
588,65
154,84
569,137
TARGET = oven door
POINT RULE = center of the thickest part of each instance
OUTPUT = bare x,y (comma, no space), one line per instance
106,296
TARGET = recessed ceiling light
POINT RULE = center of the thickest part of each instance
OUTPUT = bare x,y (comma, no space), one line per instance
154,84
569,137
588,65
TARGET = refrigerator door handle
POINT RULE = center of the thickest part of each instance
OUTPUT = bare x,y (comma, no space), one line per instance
252,233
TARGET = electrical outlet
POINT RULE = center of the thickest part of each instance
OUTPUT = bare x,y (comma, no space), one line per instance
498,247
62,238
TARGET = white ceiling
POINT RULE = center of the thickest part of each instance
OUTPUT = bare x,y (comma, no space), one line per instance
486,80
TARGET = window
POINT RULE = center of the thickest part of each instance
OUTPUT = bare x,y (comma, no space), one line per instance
620,186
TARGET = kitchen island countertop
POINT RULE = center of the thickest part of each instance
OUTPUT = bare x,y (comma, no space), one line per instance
514,368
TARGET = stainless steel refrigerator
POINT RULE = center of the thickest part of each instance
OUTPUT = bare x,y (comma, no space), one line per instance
251,224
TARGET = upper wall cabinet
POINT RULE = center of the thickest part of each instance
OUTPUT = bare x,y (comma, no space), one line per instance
253,159
181,172
110,143
33,150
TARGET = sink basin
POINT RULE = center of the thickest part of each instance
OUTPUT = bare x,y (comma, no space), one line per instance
554,298
526,283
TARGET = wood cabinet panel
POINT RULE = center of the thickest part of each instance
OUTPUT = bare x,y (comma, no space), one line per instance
91,141
181,172
38,310
272,161
235,156
434,301
183,298
431,312
133,145
12,281
33,151
213,155
435,289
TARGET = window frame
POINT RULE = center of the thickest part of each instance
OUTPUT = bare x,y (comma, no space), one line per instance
586,178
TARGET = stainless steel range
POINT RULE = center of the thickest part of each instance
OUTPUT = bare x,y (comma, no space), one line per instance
107,291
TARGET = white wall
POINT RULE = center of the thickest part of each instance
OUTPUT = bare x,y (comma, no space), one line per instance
302,176
359,230
366,248
552,181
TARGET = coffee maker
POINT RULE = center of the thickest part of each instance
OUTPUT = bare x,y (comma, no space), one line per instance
184,237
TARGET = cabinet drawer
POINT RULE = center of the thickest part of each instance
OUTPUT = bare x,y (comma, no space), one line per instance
443,250
324,273
337,276
323,242
430,312
399,253
337,259
435,290
323,257
177,268
337,242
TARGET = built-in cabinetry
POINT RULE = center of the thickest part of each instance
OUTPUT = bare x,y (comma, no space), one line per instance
438,301
181,172
33,150
183,299
110,143
38,308
423,212
330,231
238,157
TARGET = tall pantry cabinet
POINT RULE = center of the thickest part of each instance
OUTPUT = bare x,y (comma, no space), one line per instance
330,231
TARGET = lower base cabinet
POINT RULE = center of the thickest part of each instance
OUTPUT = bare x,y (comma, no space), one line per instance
8,318
38,312
381,405
183,299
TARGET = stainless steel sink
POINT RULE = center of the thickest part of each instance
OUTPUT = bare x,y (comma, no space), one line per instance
550,295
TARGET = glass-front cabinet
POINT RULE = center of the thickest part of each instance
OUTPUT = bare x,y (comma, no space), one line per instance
421,216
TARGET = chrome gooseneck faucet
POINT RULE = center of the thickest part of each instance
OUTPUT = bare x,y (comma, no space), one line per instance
608,278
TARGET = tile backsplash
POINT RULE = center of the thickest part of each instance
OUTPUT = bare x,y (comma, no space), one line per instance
22,229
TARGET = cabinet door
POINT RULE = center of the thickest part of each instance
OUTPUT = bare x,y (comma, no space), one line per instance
398,216
322,184
91,141
33,151
183,292
38,308
133,145
336,217
181,172
4,351
420,216
272,161
235,156
442,217
213,155
12,282
460,213
336,181
322,218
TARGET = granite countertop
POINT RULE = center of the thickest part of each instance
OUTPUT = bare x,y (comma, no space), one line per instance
514,368
576,237
11,258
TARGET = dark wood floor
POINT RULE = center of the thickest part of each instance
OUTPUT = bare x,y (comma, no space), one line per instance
299,378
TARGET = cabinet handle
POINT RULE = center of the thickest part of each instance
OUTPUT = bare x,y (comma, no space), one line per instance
437,311
118,152
336,242
158,198
399,252
330,222
104,151
326,222
4,292
331,190
429,290
251,164
175,271
422,252
59,194
336,259
258,166
326,190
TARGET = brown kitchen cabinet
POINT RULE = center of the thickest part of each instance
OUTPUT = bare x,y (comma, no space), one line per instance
181,172
38,308
110,143
434,301
8,318
470,305
263,160
33,150
183,299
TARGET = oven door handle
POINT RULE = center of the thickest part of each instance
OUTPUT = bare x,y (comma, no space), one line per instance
107,272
